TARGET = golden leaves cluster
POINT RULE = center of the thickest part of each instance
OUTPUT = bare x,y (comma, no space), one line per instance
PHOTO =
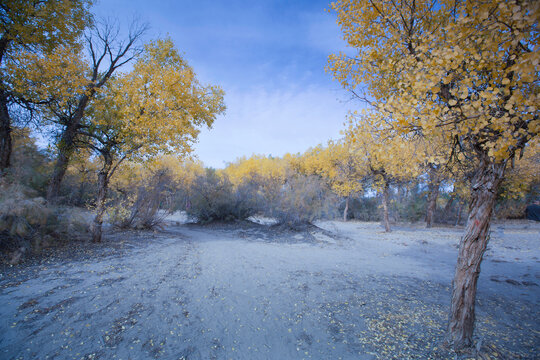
40,56
182,171
42,26
60,76
387,155
259,168
159,106
466,69
339,164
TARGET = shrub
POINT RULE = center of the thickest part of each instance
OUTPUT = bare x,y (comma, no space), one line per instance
214,198
30,164
363,209
27,223
511,209
21,217
300,201
146,205
411,209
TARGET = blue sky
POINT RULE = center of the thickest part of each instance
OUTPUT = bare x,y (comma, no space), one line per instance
268,56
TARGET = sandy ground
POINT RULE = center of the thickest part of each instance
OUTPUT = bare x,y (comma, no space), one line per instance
340,291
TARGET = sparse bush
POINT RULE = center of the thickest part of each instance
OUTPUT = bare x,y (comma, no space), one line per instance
300,201
21,217
273,187
28,223
119,210
79,187
32,165
511,209
214,198
411,209
364,209
294,201
143,205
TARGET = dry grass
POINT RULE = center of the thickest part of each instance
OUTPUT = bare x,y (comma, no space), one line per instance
27,223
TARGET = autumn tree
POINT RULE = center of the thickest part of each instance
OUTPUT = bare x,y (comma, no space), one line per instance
37,27
434,159
106,51
273,186
340,165
386,155
183,170
522,180
142,194
257,166
466,71
266,174
156,108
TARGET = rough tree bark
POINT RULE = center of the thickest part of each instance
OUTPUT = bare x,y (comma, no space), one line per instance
472,246
386,195
433,194
66,146
103,188
346,210
5,134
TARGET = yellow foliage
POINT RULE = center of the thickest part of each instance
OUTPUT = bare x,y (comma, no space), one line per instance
41,57
387,155
339,164
59,76
257,168
133,174
466,69
42,25
266,174
183,171
82,164
156,108
523,175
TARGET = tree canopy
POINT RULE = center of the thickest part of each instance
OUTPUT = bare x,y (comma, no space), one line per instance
466,70
463,72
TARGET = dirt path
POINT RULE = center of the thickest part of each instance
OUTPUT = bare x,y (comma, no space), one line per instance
351,292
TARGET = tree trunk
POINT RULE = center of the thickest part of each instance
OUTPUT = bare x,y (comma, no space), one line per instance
6,144
103,187
60,168
346,210
472,246
432,202
431,206
459,211
66,146
386,195
433,194
449,204
80,193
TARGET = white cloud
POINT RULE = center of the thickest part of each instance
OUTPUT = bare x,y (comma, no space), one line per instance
273,122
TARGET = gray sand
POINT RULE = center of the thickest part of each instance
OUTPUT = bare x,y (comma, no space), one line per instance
349,291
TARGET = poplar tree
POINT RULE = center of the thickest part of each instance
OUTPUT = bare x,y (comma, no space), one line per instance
466,71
